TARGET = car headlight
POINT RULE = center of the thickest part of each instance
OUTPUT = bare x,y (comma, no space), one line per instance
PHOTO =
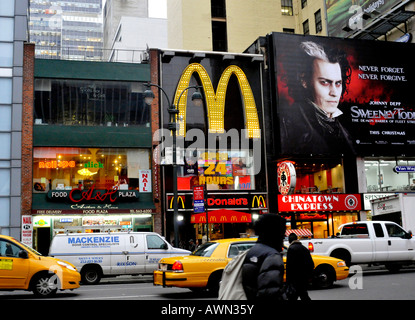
66,265
341,264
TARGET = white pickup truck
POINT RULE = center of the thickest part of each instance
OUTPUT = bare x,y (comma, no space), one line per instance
368,242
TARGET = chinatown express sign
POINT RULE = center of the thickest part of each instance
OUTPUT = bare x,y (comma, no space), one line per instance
319,202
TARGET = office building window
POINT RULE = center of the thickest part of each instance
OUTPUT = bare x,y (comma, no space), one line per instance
5,91
288,30
218,9
287,7
219,36
90,103
6,29
5,182
6,54
5,119
306,27
7,8
5,141
303,4
317,18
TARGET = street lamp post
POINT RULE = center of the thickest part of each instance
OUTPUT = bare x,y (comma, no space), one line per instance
172,126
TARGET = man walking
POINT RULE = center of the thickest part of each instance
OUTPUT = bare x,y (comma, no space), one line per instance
300,268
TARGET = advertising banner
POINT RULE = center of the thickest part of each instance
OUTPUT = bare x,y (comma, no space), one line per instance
27,230
319,202
341,96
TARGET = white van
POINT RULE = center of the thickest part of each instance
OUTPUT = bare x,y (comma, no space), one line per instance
98,255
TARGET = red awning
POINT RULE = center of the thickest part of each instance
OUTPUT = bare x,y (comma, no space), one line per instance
299,232
222,216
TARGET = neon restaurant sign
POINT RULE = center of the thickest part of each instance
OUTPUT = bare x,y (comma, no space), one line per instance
216,101
93,195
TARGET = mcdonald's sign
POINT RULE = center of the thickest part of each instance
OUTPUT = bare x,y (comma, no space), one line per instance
223,200
180,199
258,202
216,101
222,216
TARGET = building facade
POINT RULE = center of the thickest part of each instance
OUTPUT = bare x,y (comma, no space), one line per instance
13,34
91,162
130,28
342,140
220,144
70,30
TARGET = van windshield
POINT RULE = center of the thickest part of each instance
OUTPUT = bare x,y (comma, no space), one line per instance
206,249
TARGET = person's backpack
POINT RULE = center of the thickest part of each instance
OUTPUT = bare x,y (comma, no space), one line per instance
231,284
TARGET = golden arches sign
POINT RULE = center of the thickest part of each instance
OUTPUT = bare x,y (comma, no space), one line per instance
179,199
216,102
259,201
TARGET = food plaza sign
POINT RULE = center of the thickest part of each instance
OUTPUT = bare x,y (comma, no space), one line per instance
319,202
93,195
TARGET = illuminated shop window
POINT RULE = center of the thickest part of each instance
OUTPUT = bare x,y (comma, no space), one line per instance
101,168
319,176
382,176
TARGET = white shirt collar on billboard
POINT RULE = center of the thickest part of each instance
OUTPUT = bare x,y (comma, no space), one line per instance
337,113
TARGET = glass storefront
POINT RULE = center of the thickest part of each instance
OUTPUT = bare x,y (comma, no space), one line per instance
326,178
319,176
323,225
57,168
381,176
90,103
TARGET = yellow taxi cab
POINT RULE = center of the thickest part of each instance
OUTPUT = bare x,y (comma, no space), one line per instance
23,268
203,268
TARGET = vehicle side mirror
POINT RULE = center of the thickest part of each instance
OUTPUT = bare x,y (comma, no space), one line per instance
23,254
164,246
408,235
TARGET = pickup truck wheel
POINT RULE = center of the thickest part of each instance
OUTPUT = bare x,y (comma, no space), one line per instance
90,275
342,254
324,277
393,267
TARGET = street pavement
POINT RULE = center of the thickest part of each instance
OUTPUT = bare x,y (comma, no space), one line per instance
371,284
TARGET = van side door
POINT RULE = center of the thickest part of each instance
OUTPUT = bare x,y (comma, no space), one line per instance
135,258
155,249
118,252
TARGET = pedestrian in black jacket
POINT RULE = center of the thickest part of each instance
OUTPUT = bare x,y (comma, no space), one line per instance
263,268
300,266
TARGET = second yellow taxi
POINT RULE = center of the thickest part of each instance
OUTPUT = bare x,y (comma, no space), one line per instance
203,268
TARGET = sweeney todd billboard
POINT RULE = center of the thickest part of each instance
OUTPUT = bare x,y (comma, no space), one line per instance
337,96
